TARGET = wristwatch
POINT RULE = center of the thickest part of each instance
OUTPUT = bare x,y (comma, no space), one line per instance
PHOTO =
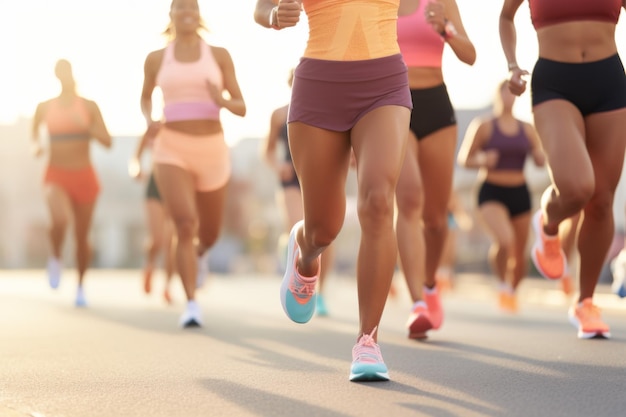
274,18
449,31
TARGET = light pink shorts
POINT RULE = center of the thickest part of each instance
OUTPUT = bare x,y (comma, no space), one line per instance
206,157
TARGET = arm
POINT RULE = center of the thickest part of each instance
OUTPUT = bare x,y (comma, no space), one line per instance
150,70
271,140
283,13
471,154
36,124
536,150
508,40
234,103
98,129
455,36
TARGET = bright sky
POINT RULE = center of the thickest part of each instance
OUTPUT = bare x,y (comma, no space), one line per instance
107,42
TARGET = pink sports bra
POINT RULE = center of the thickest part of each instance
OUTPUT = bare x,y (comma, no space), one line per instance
550,12
184,86
420,45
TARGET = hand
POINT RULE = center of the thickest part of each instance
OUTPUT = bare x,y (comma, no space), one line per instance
134,168
517,84
288,14
435,13
491,158
36,149
216,94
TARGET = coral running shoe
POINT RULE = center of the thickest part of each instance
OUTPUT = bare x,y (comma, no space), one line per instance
618,270
435,309
297,293
507,302
367,361
546,253
586,317
419,321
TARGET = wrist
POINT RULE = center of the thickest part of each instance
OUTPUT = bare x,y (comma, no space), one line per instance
513,65
448,31
273,18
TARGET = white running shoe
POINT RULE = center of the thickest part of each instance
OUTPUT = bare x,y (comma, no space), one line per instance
54,268
80,297
191,317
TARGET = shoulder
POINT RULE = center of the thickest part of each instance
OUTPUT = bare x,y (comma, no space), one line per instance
155,57
220,53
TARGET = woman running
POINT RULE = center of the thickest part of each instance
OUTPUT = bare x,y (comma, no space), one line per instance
70,182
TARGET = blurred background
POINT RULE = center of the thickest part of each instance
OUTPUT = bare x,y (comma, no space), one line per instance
107,43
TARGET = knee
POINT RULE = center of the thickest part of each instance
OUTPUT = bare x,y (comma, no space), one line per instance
436,223
59,223
410,202
600,206
376,205
186,228
577,194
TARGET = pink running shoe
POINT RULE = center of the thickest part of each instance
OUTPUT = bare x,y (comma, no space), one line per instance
435,309
419,321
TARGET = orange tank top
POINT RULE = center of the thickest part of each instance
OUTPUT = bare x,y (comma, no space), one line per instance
351,30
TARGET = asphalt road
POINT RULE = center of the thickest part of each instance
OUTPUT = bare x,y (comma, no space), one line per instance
125,356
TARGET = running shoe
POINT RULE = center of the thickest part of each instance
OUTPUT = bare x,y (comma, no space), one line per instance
297,293
320,306
618,270
567,285
367,361
586,317
547,254
435,309
80,298
191,317
507,302
419,321
203,269
54,268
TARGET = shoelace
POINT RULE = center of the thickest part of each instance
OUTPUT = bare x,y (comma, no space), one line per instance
590,311
367,349
301,288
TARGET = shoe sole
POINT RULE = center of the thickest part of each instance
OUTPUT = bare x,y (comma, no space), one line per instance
588,335
369,376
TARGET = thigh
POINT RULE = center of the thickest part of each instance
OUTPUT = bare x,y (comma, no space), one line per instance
436,161
321,159
177,188
561,130
409,191
495,218
606,144
379,141
210,208
59,203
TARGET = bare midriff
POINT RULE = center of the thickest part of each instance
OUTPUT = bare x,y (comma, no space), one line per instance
577,42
